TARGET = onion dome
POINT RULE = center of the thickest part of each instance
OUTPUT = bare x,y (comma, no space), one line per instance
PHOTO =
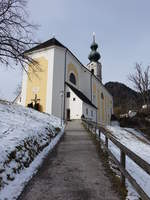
94,54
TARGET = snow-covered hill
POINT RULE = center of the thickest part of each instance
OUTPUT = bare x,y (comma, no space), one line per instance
25,134
136,142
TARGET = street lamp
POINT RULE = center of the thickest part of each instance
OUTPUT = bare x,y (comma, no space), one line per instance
61,93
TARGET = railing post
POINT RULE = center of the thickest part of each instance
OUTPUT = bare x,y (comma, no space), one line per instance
92,129
99,137
123,164
99,134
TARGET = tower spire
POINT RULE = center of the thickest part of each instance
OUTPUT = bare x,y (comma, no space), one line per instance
94,54
95,66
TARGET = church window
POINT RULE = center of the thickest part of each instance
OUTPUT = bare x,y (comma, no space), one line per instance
68,94
74,99
72,78
102,96
92,113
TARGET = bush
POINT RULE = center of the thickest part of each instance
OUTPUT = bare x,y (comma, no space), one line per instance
57,129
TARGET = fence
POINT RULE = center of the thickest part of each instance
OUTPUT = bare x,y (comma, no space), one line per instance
124,151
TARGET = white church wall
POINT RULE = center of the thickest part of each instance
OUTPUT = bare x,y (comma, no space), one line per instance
67,98
108,105
75,105
24,88
58,80
83,75
85,83
48,54
50,81
71,60
89,112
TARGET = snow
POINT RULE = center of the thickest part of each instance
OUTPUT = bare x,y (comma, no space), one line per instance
136,142
15,187
26,136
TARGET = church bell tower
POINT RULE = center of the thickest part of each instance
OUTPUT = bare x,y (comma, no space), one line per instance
95,66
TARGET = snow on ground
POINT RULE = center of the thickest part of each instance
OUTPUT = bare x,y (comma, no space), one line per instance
136,142
25,138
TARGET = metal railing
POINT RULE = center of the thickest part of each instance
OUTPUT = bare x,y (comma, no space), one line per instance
124,151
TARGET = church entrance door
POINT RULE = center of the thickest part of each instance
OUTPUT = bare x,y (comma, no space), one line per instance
68,114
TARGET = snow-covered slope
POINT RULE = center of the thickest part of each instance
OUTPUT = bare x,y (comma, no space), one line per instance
136,142
24,134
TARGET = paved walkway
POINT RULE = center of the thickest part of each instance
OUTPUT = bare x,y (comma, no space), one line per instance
72,172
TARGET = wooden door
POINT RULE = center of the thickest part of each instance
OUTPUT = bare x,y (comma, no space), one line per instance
68,114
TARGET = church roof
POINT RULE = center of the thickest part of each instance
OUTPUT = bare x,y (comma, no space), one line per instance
81,95
48,43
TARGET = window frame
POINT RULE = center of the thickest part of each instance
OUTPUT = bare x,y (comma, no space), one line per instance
72,78
87,111
68,94
91,113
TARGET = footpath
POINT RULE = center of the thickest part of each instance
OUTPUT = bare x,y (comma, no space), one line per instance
73,171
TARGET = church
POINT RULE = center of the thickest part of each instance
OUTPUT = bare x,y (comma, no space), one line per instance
63,86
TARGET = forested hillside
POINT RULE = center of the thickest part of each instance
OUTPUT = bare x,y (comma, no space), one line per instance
124,97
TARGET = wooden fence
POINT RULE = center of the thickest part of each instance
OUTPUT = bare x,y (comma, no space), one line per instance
124,151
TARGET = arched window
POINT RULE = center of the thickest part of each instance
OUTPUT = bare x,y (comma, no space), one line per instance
72,78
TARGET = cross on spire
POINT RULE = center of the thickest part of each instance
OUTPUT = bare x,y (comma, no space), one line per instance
94,54
93,36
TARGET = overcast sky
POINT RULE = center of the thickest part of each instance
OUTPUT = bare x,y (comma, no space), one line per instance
122,30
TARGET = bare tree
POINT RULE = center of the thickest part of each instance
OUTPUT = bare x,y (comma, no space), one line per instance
141,81
15,33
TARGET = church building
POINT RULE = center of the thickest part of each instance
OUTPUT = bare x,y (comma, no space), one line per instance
63,86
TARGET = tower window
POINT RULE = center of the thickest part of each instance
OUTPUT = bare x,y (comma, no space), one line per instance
92,71
74,99
72,78
102,96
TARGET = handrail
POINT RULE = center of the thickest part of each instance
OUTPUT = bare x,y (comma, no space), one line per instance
124,151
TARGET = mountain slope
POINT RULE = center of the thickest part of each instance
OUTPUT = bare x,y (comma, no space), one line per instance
123,96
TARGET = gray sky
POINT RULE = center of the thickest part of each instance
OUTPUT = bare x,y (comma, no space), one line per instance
122,30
